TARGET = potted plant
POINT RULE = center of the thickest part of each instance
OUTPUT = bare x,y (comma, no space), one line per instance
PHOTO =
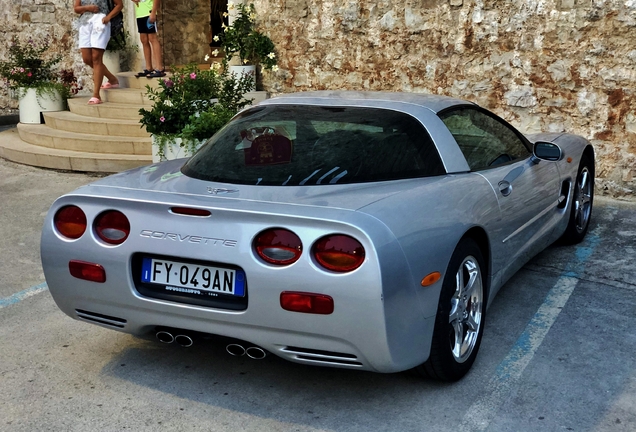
33,76
118,51
187,106
242,40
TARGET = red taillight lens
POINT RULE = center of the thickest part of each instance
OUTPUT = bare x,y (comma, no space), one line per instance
306,302
70,221
339,253
87,271
112,226
278,246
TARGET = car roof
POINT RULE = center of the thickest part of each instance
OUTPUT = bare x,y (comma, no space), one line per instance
435,103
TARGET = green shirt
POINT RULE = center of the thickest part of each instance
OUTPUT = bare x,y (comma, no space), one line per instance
143,8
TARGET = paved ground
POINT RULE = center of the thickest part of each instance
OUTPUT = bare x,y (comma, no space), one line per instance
558,353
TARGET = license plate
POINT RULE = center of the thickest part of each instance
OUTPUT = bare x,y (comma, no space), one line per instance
193,278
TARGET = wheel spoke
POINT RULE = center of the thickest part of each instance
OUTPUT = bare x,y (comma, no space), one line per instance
459,282
471,323
459,338
455,314
473,275
583,182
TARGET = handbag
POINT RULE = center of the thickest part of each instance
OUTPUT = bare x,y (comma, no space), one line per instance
116,23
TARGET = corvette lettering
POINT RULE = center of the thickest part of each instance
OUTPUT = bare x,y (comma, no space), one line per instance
183,238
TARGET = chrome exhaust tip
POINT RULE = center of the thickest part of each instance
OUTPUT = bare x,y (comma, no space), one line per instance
164,336
255,353
183,340
235,350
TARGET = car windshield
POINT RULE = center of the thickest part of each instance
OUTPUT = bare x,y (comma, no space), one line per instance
291,145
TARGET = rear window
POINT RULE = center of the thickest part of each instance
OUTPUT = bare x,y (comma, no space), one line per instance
288,145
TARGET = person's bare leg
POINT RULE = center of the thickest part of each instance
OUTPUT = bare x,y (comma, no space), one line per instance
145,44
156,51
110,76
98,71
87,56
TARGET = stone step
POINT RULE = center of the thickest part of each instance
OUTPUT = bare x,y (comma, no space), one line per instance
130,96
68,121
15,149
128,80
111,110
49,138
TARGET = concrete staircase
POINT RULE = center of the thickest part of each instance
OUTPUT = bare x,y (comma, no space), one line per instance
98,138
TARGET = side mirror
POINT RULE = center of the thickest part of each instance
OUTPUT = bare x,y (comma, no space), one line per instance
547,151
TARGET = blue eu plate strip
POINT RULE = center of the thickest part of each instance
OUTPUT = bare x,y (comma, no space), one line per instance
146,268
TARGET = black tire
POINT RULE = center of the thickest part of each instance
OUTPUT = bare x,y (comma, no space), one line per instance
582,202
448,361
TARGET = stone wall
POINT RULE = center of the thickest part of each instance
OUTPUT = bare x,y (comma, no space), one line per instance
544,65
38,19
185,31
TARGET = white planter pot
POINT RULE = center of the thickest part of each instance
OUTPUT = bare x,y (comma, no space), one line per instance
169,149
245,70
31,105
111,61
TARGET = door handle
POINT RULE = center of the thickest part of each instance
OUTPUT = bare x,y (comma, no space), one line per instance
505,187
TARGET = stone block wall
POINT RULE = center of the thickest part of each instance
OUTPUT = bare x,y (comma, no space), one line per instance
185,31
544,65
38,19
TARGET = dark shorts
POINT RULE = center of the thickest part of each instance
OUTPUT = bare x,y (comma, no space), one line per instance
142,25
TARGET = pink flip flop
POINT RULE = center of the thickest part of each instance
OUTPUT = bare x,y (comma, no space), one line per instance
94,101
108,85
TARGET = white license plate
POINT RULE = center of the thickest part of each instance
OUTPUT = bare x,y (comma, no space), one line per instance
190,278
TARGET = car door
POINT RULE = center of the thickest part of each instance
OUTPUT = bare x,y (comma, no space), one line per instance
527,189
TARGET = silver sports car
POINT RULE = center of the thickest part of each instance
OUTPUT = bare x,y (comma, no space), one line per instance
346,229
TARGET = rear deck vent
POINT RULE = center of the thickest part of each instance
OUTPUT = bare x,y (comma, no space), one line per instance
327,357
101,319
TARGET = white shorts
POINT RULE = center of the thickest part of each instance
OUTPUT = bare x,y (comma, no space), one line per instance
94,34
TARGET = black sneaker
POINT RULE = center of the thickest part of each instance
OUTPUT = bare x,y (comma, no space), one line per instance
143,73
156,74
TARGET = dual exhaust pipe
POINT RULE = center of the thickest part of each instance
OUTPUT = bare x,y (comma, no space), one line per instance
180,339
252,352
235,349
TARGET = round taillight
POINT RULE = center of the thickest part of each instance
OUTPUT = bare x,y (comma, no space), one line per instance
112,226
339,253
278,246
70,221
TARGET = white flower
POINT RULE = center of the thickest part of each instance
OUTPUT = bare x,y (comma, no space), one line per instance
252,16
215,53
207,57
271,55
225,14
167,103
245,61
230,6
274,68
215,66
215,38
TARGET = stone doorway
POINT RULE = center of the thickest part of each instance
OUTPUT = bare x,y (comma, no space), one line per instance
217,9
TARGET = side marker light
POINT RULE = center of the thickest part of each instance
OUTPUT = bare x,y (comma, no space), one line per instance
431,278
87,271
306,302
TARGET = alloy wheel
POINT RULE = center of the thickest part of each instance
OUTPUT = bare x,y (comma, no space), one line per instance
465,316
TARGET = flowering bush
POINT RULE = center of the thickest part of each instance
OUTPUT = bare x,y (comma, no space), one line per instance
189,93
243,40
28,66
